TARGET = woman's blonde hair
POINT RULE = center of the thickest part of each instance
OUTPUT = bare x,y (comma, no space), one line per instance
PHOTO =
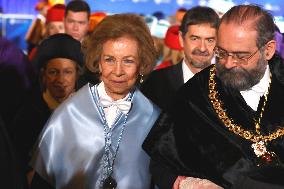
172,55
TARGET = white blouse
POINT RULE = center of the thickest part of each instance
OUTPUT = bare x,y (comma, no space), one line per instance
111,112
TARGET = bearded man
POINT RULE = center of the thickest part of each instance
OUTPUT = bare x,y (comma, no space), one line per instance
225,128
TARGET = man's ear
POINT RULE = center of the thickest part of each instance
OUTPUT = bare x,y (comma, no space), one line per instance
180,38
270,49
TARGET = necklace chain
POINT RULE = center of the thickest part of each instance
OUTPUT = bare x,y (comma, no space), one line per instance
108,157
258,121
229,122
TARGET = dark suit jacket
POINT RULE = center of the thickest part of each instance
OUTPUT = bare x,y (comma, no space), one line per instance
161,85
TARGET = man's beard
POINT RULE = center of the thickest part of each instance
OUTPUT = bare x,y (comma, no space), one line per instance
240,78
198,64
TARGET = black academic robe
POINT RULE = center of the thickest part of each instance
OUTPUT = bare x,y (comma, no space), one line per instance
11,176
27,125
191,140
162,84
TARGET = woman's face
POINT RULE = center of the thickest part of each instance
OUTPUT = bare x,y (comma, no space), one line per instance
60,78
119,66
55,27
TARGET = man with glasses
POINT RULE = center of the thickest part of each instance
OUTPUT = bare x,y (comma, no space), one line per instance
226,127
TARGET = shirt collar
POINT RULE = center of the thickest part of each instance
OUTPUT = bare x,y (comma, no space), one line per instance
262,86
187,73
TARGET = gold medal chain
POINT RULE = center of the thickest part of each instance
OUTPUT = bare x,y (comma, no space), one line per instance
229,122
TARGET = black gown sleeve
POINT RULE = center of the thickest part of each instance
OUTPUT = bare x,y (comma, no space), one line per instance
11,175
163,178
39,183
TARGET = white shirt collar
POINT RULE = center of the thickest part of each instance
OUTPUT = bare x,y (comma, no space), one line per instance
252,95
262,86
187,73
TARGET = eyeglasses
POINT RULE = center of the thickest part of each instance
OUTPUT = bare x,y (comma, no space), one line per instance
240,57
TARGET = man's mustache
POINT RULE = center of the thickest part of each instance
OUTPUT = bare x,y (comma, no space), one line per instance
200,53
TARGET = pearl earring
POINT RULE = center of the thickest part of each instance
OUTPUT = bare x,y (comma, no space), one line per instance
141,78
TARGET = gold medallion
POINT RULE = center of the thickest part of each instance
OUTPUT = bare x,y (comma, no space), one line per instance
259,148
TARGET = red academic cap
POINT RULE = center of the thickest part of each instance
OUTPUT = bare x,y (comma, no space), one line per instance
55,13
172,39
96,18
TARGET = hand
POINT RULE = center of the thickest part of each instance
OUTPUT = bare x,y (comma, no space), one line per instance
197,183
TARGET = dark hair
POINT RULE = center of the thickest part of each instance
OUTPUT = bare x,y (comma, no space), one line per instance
199,15
182,9
261,21
78,6
116,26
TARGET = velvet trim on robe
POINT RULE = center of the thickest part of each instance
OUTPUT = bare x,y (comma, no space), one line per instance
71,145
190,140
